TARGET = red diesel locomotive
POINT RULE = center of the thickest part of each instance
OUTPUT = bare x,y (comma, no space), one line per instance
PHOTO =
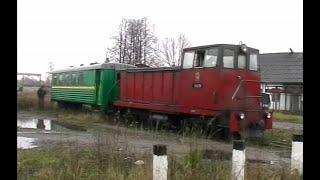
216,87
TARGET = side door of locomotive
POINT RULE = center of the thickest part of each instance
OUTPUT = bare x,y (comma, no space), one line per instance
199,78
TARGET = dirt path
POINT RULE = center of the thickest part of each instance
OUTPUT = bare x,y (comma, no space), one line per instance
288,125
134,140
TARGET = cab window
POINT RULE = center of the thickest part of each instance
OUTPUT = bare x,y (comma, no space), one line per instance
188,59
211,58
228,58
241,61
198,61
253,63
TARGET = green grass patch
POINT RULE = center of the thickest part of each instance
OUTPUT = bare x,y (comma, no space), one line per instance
275,138
281,117
281,136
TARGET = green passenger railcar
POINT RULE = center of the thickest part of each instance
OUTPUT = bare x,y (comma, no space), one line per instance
94,85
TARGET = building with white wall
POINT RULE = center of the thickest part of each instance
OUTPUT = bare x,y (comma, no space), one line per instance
282,77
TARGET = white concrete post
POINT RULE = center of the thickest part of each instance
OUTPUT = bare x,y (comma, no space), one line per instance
238,160
160,162
297,153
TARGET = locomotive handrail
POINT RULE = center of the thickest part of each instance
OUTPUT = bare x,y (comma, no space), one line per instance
252,81
236,91
249,97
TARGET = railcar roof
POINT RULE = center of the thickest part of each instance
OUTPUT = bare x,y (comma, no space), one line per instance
153,69
214,45
117,66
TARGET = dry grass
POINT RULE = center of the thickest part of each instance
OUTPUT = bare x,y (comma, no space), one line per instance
29,101
263,172
275,139
73,163
81,117
103,161
79,164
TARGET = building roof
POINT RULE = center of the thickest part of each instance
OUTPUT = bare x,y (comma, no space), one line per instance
281,67
117,66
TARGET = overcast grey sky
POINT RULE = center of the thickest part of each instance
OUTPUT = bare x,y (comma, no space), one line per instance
72,32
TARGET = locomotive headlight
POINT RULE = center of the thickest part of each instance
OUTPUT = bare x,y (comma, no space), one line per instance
241,115
244,48
268,115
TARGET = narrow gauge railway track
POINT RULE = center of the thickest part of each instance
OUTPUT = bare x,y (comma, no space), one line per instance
194,131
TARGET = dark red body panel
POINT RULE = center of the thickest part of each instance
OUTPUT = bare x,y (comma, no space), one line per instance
172,91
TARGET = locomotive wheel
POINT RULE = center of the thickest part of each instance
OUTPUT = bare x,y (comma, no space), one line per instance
227,135
220,133
129,119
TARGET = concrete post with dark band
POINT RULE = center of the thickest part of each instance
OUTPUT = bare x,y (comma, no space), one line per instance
238,160
297,153
160,162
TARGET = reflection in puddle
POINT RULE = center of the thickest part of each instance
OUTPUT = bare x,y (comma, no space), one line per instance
25,143
35,124
47,124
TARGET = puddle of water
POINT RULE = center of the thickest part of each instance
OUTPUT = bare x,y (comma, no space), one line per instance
47,124
25,142
35,124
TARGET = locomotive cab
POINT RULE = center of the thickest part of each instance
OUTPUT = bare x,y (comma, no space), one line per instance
227,80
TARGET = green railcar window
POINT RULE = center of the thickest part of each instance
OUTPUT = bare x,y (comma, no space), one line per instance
68,79
88,78
54,80
60,80
73,79
80,79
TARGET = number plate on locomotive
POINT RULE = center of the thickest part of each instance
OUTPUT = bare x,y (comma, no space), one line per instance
197,85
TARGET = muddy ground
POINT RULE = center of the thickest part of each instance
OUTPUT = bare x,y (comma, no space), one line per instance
135,140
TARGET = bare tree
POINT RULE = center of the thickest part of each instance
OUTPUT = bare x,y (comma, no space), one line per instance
170,50
134,43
